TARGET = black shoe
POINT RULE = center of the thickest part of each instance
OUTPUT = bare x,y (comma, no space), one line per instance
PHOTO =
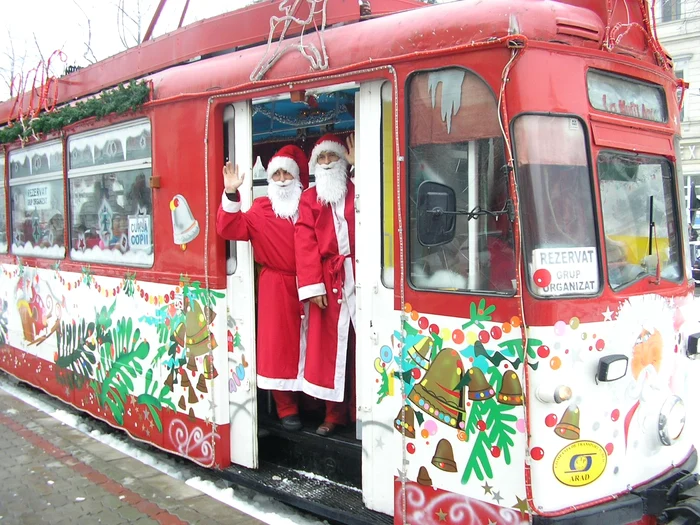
292,423
263,433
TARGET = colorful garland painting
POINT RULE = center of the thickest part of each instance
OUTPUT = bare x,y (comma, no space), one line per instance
466,379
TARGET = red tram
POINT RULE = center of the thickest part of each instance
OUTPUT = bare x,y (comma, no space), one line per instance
524,309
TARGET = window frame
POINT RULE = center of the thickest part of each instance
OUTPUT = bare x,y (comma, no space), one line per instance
391,197
229,138
673,15
24,180
407,198
596,219
676,211
104,169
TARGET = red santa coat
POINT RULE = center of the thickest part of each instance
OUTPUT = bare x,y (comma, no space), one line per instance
325,251
281,331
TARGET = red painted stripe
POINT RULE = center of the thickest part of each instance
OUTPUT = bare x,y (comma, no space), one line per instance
144,506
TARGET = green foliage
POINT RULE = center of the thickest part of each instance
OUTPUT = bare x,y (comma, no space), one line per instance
194,292
125,98
76,348
500,427
155,399
87,275
130,284
478,314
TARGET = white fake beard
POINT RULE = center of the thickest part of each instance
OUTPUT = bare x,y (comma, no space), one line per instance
331,182
284,196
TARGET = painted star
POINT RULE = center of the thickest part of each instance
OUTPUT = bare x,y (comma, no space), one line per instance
492,523
487,488
608,314
441,515
380,443
401,475
146,413
577,355
212,405
497,497
522,506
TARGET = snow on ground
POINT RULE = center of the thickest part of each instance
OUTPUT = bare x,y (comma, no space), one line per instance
260,507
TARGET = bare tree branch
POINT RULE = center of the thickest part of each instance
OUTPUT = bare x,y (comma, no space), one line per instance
89,54
14,68
38,49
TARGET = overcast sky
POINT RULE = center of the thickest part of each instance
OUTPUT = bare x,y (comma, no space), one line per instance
63,24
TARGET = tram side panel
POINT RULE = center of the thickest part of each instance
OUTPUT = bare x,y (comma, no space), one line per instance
147,357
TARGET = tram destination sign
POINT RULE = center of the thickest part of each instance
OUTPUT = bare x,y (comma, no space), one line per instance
631,98
565,271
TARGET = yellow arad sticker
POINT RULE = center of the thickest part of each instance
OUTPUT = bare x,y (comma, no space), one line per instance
580,463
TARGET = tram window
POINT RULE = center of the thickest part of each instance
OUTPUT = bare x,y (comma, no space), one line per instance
631,185
3,207
36,193
387,186
229,155
455,140
556,202
110,200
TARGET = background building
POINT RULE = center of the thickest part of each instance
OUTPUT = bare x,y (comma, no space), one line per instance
678,29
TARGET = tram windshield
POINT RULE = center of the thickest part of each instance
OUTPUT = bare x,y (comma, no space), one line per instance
636,241
557,206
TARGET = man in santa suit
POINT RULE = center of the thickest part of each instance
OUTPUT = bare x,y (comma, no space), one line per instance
325,247
269,226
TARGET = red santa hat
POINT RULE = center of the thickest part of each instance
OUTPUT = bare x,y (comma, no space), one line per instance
328,143
291,159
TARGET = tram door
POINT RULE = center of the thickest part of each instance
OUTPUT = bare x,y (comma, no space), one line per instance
240,296
376,317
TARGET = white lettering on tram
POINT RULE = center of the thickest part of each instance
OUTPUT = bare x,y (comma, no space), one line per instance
567,257
562,271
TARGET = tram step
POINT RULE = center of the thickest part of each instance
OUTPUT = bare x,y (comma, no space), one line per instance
308,492
337,458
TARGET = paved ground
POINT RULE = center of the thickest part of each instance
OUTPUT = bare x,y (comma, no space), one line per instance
52,473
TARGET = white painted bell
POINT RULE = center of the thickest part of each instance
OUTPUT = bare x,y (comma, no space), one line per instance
185,226
259,171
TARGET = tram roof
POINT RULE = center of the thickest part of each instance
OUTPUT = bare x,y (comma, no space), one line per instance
211,54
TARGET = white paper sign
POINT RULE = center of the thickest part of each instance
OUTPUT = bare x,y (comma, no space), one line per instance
140,232
565,271
38,197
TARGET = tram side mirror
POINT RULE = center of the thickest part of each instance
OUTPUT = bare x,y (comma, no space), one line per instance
437,205
611,368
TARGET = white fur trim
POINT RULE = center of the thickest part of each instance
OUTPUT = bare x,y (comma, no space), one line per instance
286,385
337,393
311,290
230,206
285,163
326,145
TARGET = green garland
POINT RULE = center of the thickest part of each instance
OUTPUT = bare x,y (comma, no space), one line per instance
126,97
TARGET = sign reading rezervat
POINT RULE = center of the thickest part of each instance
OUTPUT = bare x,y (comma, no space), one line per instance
38,197
565,271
